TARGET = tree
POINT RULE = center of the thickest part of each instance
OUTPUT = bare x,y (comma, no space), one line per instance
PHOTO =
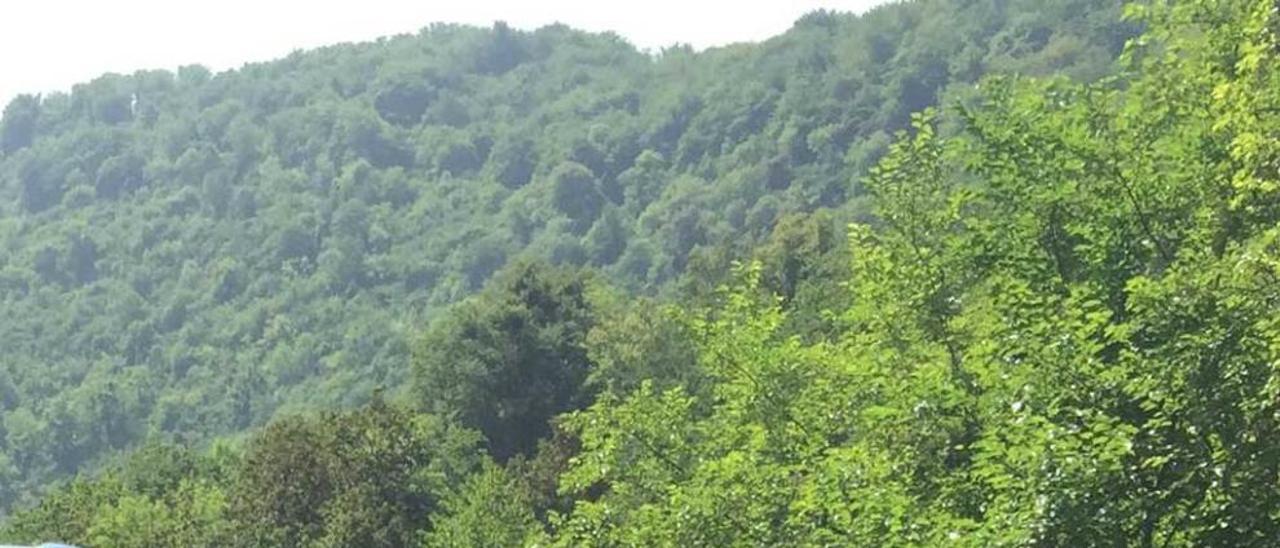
512,358
607,238
403,102
119,174
576,193
489,509
513,161
18,124
82,258
42,181
161,495
501,51
362,478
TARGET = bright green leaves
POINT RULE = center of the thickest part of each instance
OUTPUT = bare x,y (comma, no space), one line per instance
195,514
641,445
1107,334
1205,336
1062,333
488,509
162,496
639,450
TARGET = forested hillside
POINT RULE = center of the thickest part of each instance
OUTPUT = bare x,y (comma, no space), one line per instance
187,255
1045,317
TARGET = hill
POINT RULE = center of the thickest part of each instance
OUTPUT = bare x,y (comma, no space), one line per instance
188,255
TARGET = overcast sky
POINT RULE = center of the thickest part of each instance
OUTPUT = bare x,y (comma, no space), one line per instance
51,44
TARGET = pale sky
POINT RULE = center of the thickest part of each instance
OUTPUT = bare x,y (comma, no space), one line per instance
48,45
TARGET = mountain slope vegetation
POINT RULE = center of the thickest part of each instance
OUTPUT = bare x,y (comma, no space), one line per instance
1050,322
186,255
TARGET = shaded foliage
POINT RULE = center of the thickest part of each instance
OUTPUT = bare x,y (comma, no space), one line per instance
512,358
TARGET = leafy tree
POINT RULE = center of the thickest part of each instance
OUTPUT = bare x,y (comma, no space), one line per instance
160,496
513,161
576,193
119,174
363,478
18,125
512,358
607,238
638,340
489,509
403,102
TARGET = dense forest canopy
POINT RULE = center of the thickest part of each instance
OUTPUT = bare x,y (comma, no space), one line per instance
187,255
541,289
1041,313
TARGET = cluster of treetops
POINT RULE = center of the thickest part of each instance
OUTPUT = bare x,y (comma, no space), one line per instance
687,299
189,255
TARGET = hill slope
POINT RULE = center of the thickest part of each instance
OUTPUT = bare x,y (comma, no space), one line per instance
188,254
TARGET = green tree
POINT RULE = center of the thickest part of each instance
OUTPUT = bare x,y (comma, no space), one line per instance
367,478
512,358
18,124
488,509
576,193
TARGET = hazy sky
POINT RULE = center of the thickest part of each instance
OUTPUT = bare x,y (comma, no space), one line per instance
51,44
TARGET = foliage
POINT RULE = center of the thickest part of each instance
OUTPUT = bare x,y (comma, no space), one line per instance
368,477
511,359
1062,333
489,509
189,254
1055,327
1052,322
